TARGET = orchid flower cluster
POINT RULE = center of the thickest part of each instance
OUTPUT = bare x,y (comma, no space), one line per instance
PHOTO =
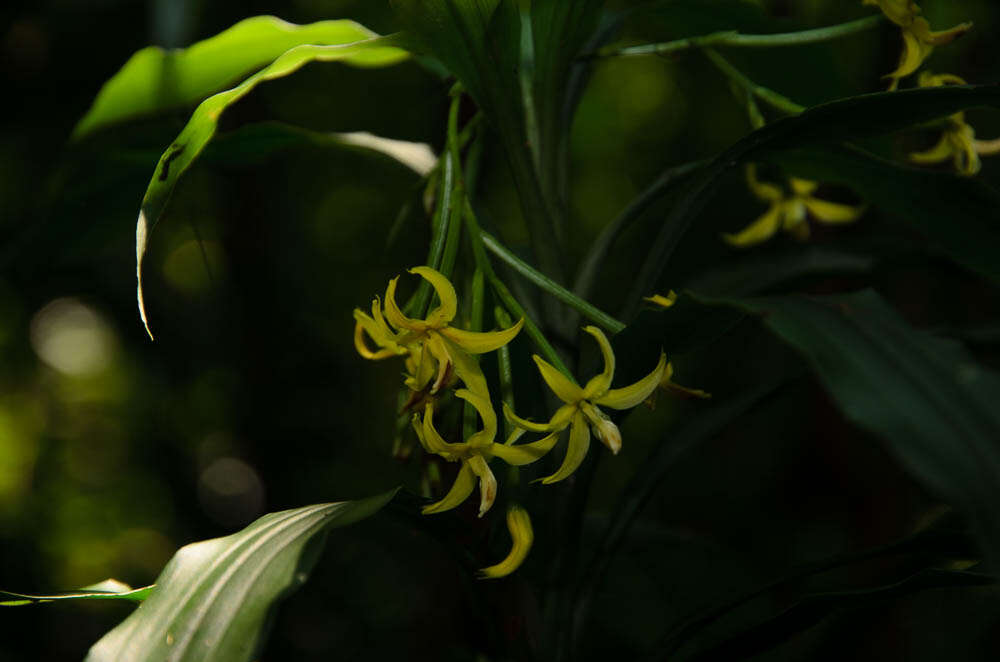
791,205
440,358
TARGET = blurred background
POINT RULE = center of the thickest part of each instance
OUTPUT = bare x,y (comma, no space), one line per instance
115,451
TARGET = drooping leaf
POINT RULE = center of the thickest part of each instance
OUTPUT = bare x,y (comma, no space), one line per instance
212,600
838,121
155,80
109,589
959,215
934,406
201,127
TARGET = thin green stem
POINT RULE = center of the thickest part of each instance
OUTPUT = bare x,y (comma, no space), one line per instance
418,304
475,324
765,94
585,308
733,39
506,298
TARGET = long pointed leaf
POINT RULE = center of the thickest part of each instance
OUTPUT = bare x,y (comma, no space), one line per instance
202,126
212,600
109,589
155,80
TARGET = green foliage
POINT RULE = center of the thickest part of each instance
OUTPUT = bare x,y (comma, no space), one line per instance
214,597
155,80
109,589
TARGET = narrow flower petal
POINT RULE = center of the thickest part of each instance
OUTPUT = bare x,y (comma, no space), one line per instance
465,482
913,55
564,389
465,365
600,384
922,29
433,441
940,152
629,396
522,536
446,293
394,314
802,187
662,301
487,482
525,424
362,347
763,191
476,342
486,413
760,230
579,444
522,454
832,212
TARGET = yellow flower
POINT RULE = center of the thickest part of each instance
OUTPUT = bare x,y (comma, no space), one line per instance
788,210
428,341
474,454
519,525
581,407
662,301
958,141
918,38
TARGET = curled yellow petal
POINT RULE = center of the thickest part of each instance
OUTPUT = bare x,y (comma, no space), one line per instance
564,389
395,315
531,426
576,451
832,212
465,482
942,151
762,190
760,230
485,408
522,536
446,293
476,342
431,440
913,55
629,396
362,346
487,482
522,454
600,384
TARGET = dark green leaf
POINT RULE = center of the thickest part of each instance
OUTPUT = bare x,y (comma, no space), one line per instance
925,396
109,589
213,598
960,216
838,121
202,126
155,80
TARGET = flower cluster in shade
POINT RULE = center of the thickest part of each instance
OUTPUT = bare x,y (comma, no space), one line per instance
788,209
918,38
439,356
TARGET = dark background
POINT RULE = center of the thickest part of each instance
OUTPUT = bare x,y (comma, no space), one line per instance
115,451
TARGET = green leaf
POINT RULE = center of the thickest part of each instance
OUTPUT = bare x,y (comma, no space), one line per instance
212,600
155,80
812,609
925,396
959,215
201,128
109,589
838,121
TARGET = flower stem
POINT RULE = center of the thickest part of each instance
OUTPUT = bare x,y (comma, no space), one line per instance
585,308
766,95
506,298
733,39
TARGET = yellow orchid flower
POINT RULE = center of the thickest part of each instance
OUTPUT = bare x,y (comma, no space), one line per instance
522,535
450,347
788,210
918,38
474,454
958,141
581,413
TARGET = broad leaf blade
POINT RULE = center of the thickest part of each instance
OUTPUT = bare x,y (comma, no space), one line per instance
838,121
925,396
109,589
960,215
203,123
155,80
213,598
